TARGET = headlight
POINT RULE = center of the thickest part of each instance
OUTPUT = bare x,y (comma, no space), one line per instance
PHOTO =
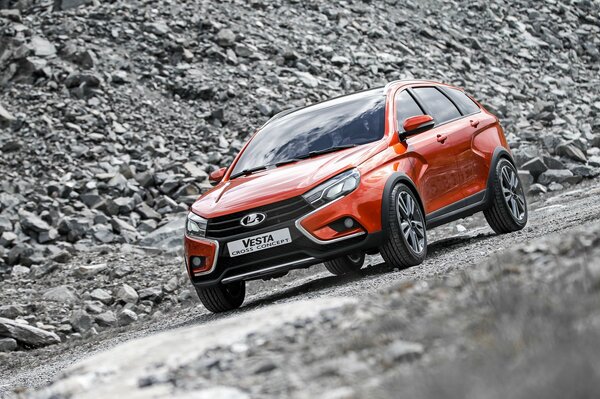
195,225
334,188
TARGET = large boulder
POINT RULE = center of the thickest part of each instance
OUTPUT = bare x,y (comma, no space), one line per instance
27,334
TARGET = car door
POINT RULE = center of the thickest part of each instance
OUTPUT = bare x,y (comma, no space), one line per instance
471,163
434,163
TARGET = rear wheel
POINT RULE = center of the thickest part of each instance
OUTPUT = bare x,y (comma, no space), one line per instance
406,235
346,264
222,297
508,210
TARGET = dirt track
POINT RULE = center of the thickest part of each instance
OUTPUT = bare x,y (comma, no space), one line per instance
551,214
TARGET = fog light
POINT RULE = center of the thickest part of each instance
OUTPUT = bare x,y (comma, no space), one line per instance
196,261
344,224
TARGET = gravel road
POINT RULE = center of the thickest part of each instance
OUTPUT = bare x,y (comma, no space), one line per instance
448,251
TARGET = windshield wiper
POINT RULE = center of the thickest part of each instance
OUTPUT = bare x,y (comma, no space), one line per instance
311,154
285,162
314,154
326,150
248,171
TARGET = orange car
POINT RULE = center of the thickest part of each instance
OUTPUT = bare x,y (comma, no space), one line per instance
363,173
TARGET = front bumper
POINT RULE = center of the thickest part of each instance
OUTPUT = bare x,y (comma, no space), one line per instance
300,253
313,241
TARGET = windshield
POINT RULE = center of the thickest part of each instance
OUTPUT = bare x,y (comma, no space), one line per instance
342,122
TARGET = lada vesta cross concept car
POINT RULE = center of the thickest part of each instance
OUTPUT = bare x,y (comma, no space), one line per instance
363,173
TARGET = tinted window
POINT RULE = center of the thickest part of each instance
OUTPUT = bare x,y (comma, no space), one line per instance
406,107
437,104
350,120
464,103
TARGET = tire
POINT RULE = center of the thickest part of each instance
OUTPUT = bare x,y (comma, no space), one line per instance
508,208
350,263
222,297
405,244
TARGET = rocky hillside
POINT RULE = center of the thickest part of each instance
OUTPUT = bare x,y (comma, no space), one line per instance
112,114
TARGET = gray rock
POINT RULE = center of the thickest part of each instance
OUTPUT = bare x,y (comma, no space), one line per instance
26,334
8,344
102,295
39,271
571,151
12,311
558,176
307,79
403,350
42,47
125,205
126,317
90,270
103,234
127,294
225,38
584,170
535,166
62,256
5,224
106,319
340,60
74,228
195,171
525,177
7,238
32,222
555,186
81,320
152,293
167,236
158,28
62,294
537,189
92,200
171,285
19,271
5,116
553,163
68,4
147,226
147,212
49,236
594,161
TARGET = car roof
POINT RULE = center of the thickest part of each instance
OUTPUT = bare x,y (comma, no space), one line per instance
385,91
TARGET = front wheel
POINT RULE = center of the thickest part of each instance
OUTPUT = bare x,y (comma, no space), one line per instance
346,264
508,209
405,244
222,297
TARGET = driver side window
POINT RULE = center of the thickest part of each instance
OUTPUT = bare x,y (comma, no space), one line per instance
406,107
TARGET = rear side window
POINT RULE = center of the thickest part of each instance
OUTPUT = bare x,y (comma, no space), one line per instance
464,103
438,105
406,107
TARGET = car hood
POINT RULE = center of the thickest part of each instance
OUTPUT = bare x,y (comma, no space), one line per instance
278,184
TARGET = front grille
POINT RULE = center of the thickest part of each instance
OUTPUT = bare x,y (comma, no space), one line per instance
278,212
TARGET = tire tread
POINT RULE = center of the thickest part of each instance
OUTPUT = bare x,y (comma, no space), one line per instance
394,250
498,215
216,299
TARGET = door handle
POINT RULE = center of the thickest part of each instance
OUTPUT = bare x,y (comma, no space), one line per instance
441,138
474,123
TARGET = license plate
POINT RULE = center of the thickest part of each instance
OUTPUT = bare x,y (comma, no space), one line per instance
259,242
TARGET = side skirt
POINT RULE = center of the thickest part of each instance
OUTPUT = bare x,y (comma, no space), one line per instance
458,210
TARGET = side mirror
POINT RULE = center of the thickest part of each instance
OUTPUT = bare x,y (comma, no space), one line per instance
216,176
417,124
